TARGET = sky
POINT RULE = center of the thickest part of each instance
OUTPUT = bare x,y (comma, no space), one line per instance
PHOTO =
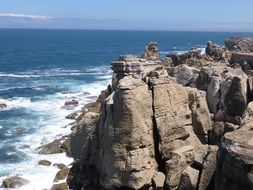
189,15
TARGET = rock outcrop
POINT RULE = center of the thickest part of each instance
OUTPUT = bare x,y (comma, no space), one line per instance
184,127
241,44
217,52
3,105
151,52
14,182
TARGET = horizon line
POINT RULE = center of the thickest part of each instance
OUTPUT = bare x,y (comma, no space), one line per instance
106,29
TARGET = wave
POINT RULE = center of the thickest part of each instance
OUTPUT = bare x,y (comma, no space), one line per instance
57,72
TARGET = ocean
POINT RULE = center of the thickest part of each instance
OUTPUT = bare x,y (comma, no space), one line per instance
41,69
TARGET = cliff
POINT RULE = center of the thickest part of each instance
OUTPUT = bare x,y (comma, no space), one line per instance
179,123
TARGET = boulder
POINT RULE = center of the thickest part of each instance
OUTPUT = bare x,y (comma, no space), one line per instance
181,158
61,174
65,146
206,180
3,105
201,117
226,91
44,163
158,180
71,103
185,74
53,147
61,186
14,182
72,116
60,166
234,167
189,179
216,52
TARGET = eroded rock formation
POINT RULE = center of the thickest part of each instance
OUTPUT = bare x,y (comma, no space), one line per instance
161,128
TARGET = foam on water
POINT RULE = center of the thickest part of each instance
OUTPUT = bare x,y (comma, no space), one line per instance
51,124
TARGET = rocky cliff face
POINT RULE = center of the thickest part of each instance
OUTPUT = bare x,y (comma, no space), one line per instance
161,128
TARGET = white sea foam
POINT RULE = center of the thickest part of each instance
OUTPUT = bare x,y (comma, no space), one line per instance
58,72
50,124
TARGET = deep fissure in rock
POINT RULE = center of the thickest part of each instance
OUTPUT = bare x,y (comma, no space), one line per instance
156,137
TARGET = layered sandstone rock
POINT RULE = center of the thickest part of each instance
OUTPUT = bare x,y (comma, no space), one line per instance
161,131
127,157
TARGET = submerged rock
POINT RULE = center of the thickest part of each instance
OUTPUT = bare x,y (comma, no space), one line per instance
3,105
57,146
14,182
44,163
71,103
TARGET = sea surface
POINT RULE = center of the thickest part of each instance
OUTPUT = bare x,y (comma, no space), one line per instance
41,69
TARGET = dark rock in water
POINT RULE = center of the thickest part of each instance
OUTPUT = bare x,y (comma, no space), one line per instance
14,182
61,186
60,166
86,93
72,116
71,103
3,105
18,130
53,147
242,44
66,146
61,175
44,163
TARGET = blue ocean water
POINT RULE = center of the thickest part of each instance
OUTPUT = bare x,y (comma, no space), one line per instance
41,69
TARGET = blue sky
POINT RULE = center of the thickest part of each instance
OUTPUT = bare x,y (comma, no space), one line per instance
212,15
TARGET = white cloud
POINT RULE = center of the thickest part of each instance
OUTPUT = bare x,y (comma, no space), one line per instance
34,17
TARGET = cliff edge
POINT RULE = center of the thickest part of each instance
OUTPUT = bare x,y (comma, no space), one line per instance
183,122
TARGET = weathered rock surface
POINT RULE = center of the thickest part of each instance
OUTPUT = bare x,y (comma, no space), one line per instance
226,90
234,168
57,146
126,146
158,180
61,174
217,52
242,44
14,182
158,129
